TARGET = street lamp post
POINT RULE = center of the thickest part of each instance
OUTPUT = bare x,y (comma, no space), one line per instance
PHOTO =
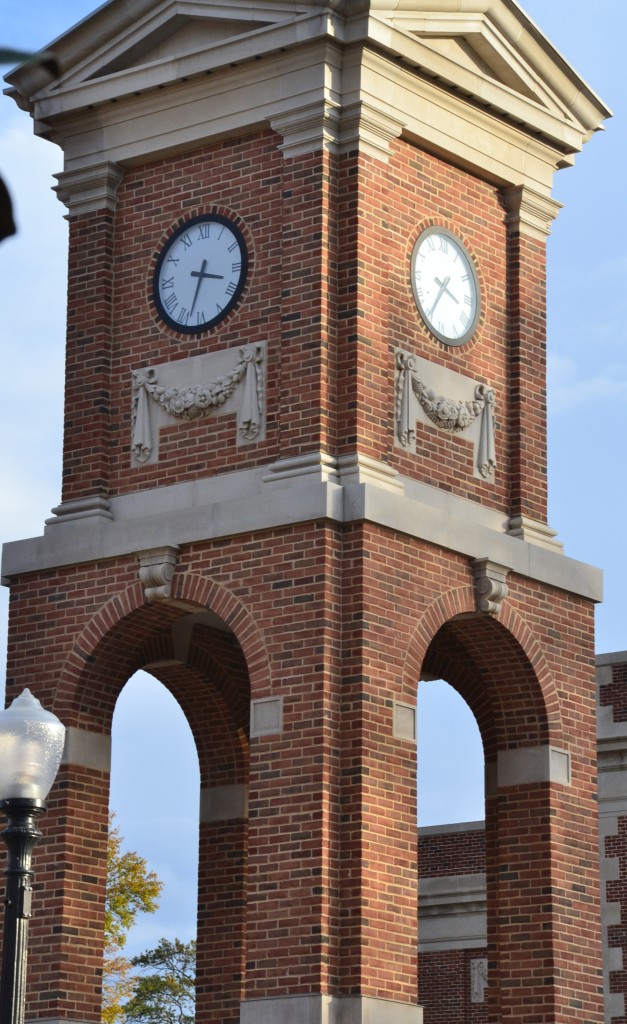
31,745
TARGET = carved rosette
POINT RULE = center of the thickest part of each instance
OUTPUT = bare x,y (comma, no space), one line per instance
490,582
156,572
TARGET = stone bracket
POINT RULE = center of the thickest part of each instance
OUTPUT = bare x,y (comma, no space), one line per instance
156,571
490,583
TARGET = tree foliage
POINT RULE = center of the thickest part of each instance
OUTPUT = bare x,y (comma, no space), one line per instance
164,990
131,890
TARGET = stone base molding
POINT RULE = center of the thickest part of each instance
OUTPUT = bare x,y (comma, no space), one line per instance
534,532
319,1009
94,506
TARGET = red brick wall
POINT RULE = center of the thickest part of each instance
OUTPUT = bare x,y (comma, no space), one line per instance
614,694
451,853
396,201
444,988
305,291
444,975
337,759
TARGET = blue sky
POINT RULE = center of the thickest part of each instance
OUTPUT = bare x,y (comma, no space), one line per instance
587,330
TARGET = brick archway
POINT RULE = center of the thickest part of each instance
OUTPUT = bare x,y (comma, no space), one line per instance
199,645
500,671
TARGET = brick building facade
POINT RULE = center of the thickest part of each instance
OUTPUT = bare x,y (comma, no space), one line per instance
292,506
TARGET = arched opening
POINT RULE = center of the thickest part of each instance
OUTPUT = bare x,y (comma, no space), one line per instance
451,786
154,794
197,659
469,906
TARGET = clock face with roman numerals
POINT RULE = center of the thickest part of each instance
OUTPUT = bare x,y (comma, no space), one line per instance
445,286
200,273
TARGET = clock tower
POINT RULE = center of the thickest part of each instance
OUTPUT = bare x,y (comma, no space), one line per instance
305,467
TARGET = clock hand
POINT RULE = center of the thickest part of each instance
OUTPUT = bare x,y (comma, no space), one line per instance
443,288
201,275
448,291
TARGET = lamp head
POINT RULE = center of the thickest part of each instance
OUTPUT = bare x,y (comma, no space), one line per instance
31,745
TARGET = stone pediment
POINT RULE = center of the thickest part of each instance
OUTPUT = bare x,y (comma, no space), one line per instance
172,38
490,50
122,37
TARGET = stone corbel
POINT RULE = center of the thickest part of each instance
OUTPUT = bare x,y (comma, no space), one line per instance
490,582
530,213
90,188
156,572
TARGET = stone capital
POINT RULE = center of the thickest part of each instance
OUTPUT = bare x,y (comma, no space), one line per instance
309,128
529,212
90,188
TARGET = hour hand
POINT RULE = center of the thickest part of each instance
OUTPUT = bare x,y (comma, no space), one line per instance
201,275
443,287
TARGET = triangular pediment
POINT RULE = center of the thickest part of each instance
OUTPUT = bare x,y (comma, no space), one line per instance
474,53
172,38
164,34
487,49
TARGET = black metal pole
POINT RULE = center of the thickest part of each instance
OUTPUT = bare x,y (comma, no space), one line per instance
20,837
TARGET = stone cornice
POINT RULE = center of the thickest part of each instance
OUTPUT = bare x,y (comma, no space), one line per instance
312,489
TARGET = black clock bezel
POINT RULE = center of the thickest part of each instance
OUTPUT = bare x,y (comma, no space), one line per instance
203,218
444,338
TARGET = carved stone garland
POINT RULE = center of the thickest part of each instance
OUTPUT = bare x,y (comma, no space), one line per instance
195,401
446,413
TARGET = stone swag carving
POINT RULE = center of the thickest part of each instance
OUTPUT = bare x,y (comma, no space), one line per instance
478,979
446,413
195,401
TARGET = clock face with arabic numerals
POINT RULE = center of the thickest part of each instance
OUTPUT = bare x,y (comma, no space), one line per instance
445,286
200,273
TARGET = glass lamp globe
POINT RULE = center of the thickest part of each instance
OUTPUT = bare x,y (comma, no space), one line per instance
31,745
